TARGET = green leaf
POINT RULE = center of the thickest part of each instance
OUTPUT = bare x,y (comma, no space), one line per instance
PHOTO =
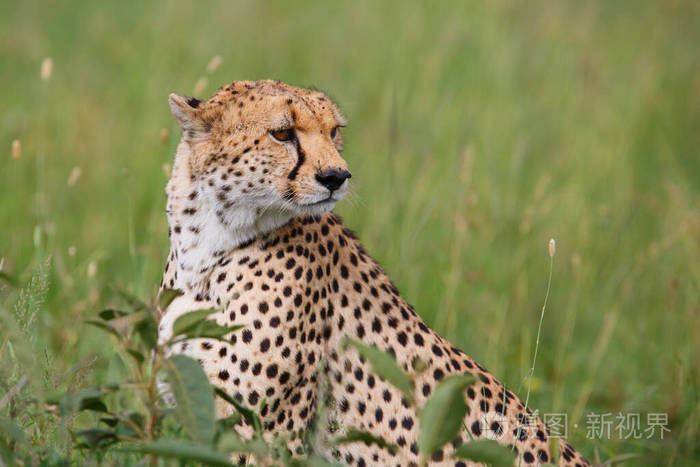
487,451
96,405
137,418
134,302
166,297
110,421
181,449
195,324
355,435
228,424
85,399
194,397
442,416
104,326
97,437
190,319
231,442
122,427
147,329
138,356
110,314
248,414
384,366
11,432
419,365
209,329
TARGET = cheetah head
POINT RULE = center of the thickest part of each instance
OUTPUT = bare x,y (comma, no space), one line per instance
256,154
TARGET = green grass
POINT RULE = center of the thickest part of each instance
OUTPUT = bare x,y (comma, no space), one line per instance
477,132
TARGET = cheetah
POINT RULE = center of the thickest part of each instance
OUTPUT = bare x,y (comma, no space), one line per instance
249,203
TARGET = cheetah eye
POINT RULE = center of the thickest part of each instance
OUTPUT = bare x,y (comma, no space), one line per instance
284,136
334,131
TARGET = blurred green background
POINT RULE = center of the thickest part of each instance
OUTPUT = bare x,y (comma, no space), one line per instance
477,132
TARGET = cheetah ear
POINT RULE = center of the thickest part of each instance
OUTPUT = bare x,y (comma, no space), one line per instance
185,110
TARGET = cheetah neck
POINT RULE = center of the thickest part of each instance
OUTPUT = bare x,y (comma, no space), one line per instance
200,235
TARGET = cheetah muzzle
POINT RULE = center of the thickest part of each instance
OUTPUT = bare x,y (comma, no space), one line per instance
255,177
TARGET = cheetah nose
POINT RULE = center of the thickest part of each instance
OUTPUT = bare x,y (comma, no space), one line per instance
333,178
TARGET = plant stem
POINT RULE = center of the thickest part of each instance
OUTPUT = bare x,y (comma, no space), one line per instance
539,330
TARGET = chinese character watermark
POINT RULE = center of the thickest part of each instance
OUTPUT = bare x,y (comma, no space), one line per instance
598,425
654,421
607,425
558,424
628,425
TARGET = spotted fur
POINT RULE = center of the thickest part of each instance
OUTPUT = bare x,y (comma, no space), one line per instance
252,235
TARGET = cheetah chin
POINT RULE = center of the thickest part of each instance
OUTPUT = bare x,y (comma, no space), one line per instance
255,176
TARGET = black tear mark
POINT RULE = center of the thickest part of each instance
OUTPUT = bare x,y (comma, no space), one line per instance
193,102
301,159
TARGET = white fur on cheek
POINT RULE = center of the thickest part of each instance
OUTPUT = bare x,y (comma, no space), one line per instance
205,227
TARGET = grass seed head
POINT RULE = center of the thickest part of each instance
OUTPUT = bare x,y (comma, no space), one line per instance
74,176
92,269
16,149
164,136
46,69
552,247
214,63
200,86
